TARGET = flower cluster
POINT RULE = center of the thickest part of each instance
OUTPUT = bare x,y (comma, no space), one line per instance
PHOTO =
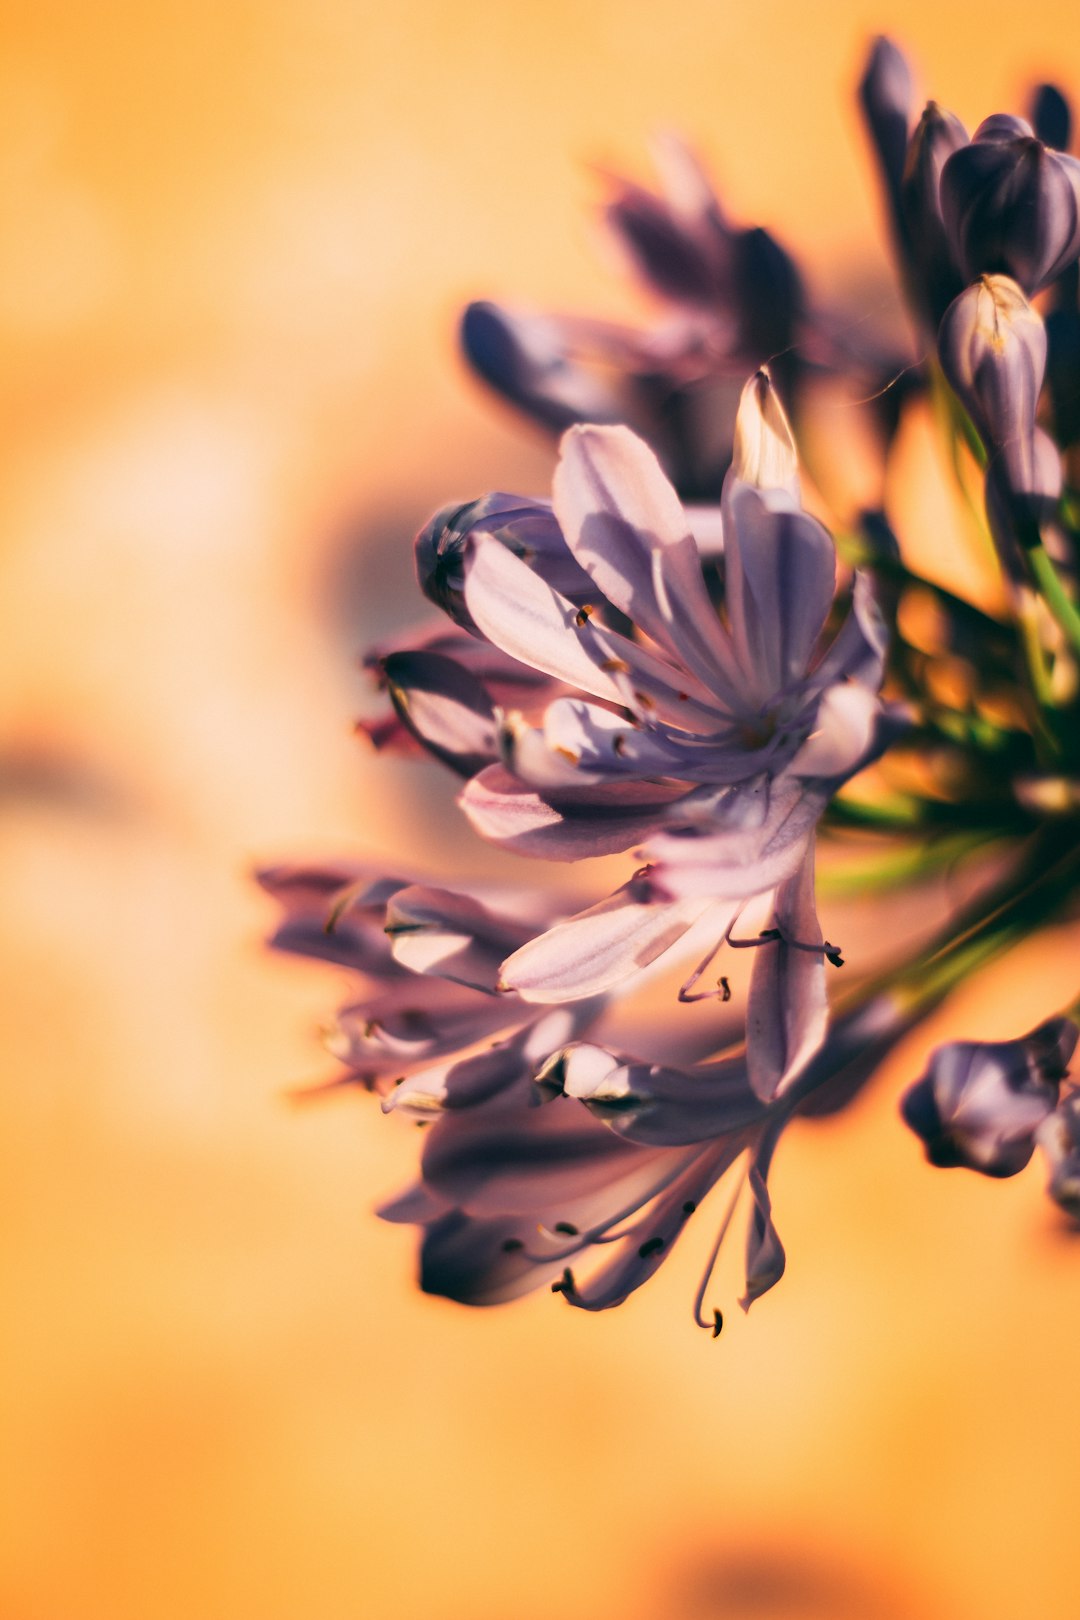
715,690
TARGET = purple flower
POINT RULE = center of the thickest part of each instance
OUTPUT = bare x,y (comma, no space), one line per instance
1011,205
715,744
992,347
980,1103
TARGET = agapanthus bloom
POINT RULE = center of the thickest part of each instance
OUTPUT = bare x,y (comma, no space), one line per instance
700,688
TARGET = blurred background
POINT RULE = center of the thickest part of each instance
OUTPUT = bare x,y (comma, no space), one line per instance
235,241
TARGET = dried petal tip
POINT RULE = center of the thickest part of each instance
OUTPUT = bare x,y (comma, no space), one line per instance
979,1104
764,449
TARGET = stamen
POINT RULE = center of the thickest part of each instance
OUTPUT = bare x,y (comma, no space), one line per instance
686,990
567,1227
710,1265
718,1323
725,988
652,1245
584,614
565,1284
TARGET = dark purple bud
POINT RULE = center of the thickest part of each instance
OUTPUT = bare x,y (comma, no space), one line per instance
1059,1138
529,359
979,1103
1052,116
934,278
885,95
767,295
992,347
527,528
1011,206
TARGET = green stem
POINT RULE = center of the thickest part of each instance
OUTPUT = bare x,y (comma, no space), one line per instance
1054,593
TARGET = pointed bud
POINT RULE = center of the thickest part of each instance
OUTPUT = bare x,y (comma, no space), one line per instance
1052,116
992,347
767,294
1011,206
979,1104
764,450
934,277
885,94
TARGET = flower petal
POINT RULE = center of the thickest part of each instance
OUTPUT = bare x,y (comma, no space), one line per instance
657,1106
451,936
567,826
599,947
627,528
787,1010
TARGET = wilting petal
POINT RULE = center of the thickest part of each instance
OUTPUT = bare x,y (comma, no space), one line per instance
445,708
765,1259
980,1103
657,1106
599,947
627,528
787,1011
1011,206
566,826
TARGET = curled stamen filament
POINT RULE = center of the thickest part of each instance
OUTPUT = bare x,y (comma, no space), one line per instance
710,1265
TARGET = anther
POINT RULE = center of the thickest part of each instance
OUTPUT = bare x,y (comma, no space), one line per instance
512,1245
615,666
832,954
725,988
565,1284
718,1324
584,614
566,1227
689,1207
652,1246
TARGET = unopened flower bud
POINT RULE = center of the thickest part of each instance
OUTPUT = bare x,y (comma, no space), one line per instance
980,1103
1011,205
885,94
935,279
992,347
1051,116
527,528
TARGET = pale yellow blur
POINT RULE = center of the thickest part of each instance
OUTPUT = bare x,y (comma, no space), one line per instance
235,238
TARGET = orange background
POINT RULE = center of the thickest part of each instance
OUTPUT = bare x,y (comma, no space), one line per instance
235,239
